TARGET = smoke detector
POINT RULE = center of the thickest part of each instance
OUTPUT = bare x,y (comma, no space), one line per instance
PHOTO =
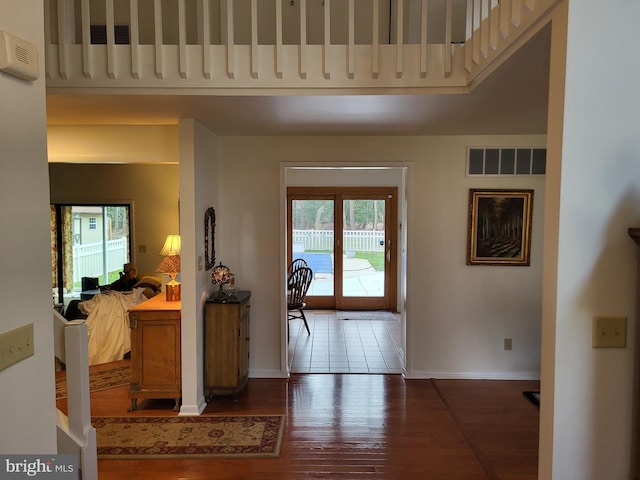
18,57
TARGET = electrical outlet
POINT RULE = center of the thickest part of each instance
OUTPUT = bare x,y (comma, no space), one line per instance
609,332
507,344
16,345
200,264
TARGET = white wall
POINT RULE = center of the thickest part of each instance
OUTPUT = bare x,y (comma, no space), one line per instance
28,392
592,390
457,315
199,190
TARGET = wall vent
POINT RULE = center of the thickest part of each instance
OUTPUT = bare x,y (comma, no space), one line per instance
510,161
18,57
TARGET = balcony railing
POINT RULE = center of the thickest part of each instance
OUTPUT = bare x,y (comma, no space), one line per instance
264,45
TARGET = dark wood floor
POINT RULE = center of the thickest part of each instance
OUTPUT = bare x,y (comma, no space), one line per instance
362,426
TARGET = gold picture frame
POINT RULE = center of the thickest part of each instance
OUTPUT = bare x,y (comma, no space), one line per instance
499,227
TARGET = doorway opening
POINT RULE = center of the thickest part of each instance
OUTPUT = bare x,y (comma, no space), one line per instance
350,332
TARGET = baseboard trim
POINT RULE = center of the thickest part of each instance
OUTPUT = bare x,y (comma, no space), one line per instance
420,374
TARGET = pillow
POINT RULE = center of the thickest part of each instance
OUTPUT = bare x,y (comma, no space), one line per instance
151,285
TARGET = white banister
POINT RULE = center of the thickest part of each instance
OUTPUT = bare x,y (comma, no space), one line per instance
516,12
157,20
351,61
254,38
400,39
447,37
85,15
327,39
484,28
505,18
206,38
494,23
75,434
375,47
423,37
182,38
231,63
66,28
338,52
279,52
134,34
110,23
303,39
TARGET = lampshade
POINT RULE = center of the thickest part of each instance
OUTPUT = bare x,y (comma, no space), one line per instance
171,246
170,264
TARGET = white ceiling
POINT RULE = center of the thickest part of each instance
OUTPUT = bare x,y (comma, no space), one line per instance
512,100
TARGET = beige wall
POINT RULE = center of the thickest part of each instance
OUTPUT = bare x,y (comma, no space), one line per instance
457,316
27,415
153,191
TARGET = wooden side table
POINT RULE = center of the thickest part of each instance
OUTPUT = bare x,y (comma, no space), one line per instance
155,351
226,345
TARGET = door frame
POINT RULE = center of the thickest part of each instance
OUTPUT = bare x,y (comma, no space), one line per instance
371,173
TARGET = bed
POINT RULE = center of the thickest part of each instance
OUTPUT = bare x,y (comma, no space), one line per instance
108,320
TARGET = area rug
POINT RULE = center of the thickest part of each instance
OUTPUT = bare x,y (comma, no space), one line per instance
533,397
110,378
368,315
184,437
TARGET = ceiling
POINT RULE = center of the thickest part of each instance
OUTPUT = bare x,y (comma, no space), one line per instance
512,100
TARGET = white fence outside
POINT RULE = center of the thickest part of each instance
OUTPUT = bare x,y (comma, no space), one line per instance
89,261
356,240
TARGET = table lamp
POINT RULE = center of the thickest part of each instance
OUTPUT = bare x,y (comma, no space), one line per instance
171,265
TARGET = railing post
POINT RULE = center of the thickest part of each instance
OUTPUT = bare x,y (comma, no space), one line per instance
182,38
254,38
327,39
231,63
400,39
279,52
303,38
134,39
375,47
157,19
206,38
447,37
110,40
351,46
423,38
85,15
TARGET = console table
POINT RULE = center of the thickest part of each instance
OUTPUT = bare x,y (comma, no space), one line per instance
155,351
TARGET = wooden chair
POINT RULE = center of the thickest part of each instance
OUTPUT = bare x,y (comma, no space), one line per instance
293,266
299,281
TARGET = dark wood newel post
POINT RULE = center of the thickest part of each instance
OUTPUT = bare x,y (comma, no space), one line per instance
634,233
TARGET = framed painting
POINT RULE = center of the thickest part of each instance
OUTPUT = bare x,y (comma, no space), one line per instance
499,227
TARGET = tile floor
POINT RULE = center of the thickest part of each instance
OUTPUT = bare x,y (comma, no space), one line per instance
344,346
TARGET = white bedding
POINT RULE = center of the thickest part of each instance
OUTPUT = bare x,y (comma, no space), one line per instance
108,324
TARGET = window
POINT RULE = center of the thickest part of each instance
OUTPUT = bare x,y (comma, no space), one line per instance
88,241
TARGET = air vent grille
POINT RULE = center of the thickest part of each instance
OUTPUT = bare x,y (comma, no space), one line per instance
22,54
506,161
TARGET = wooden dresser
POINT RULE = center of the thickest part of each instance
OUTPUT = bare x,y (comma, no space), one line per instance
226,345
155,351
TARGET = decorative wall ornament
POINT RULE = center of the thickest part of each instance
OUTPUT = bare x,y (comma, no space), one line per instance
209,238
499,227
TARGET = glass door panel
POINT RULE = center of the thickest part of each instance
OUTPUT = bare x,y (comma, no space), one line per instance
363,248
312,239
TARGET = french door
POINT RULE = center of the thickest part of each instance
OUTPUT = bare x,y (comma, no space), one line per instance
348,238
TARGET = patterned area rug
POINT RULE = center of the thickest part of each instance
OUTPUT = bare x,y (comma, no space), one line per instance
182,437
368,315
113,377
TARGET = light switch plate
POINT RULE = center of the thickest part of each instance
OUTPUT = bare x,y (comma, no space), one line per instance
609,332
16,345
